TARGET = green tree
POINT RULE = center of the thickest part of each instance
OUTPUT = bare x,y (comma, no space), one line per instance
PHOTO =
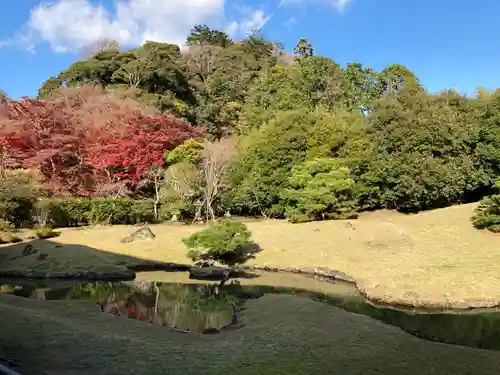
421,151
19,190
226,242
189,151
267,156
360,87
395,77
316,81
303,49
202,34
487,214
320,189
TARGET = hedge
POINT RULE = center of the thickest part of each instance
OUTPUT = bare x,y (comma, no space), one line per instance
73,211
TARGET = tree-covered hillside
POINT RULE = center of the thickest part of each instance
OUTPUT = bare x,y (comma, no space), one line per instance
245,127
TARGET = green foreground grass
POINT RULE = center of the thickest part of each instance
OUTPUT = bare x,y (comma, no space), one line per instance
433,257
284,335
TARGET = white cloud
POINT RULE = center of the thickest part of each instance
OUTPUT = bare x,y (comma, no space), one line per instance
338,4
284,3
290,21
252,19
69,25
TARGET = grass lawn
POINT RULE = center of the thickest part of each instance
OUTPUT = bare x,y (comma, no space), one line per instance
284,335
432,257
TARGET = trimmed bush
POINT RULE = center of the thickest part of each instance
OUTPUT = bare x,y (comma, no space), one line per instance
69,212
320,189
487,214
227,242
44,233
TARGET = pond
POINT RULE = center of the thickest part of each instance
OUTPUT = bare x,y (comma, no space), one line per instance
192,307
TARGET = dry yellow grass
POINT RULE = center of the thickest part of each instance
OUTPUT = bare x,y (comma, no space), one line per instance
432,257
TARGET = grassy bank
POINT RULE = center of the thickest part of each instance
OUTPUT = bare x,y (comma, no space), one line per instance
434,257
285,335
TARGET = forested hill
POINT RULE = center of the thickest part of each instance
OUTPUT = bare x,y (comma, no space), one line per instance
293,134
223,84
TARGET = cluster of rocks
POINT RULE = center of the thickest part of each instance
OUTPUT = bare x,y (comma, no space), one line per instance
143,233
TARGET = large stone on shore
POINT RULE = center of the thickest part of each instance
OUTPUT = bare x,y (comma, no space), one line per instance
209,273
29,250
143,233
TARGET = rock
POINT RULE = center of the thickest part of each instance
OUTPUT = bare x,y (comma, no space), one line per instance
29,250
174,219
158,266
143,233
320,271
210,331
42,256
72,275
209,273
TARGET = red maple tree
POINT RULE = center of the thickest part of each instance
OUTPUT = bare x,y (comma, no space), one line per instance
127,153
84,140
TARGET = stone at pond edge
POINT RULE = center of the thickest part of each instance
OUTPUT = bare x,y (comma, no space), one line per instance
320,271
28,250
209,273
210,331
72,275
158,266
143,233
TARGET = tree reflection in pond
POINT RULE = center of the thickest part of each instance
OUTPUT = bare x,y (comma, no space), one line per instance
209,308
188,308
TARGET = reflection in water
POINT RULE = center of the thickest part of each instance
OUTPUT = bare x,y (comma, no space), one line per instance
209,308
184,308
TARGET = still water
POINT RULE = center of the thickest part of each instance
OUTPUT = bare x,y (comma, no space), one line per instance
192,307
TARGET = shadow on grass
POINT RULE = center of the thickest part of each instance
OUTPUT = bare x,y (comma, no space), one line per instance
42,258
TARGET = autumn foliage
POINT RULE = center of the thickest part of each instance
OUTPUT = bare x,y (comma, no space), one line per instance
87,141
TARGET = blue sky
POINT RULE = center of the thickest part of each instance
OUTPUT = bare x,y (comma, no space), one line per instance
448,44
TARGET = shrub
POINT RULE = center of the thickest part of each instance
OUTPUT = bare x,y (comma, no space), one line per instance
109,211
5,226
68,212
19,189
44,233
8,237
141,210
487,214
227,242
88,211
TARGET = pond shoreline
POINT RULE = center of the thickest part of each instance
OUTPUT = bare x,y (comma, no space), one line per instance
128,273
386,302
124,273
